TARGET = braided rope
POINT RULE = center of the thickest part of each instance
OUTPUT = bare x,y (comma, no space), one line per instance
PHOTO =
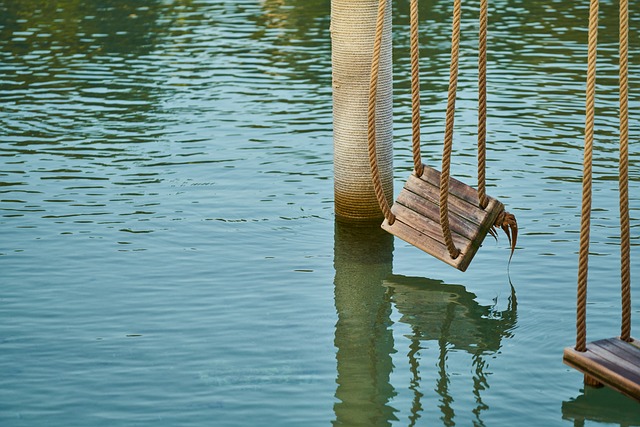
583,263
371,122
448,135
625,250
482,104
415,91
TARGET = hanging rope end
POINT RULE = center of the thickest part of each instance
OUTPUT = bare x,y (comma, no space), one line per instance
507,222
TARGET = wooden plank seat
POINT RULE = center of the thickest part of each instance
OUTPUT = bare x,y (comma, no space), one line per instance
611,362
417,212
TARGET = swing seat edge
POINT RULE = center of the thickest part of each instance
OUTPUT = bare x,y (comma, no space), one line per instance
611,362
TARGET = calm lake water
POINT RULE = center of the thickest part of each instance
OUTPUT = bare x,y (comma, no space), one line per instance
169,254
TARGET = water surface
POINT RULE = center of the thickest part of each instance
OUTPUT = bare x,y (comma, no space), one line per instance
168,249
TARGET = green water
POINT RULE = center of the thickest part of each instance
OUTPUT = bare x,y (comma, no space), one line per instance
169,254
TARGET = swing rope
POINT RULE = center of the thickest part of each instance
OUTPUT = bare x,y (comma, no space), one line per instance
585,221
418,167
482,103
371,123
448,132
450,116
625,249
581,330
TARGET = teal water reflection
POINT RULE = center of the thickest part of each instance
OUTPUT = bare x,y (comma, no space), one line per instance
448,317
168,250
443,319
600,406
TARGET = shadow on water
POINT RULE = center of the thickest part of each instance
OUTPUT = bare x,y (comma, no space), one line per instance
601,405
366,292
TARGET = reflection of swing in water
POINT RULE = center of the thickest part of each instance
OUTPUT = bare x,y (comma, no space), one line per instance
450,316
365,292
601,405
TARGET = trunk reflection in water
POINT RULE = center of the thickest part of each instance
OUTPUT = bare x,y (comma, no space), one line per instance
364,339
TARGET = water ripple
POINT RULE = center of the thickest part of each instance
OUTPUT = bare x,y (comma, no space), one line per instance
166,177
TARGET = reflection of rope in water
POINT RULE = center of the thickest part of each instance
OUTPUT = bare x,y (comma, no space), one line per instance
443,382
601,405
425,303
414,367
479,379
479,383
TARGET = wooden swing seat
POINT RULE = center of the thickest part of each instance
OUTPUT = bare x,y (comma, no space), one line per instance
417,217
611,362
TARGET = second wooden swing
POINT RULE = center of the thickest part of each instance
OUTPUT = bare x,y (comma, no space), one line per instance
434,212
614,362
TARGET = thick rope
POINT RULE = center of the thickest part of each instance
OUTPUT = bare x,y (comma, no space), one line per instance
583,263
482,103
371,123
625,249
448,134
415,91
